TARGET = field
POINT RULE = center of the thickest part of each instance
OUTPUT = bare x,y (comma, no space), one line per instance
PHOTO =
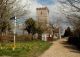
24,49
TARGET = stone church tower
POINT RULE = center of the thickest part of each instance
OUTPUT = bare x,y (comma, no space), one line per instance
43,15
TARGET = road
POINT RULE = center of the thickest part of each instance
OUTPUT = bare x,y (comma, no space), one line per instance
59,48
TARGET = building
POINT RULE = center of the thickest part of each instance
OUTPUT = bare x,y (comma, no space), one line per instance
43,21
43,15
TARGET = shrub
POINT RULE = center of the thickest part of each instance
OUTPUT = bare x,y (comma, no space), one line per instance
75,38
67,32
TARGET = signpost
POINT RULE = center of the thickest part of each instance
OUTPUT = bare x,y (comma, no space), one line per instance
14,18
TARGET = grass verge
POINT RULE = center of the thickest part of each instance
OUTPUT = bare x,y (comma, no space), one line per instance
25,49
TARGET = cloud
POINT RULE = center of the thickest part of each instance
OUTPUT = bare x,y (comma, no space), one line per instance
34,4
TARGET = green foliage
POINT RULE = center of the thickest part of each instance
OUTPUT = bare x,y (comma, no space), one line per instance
75,38
30,26
67,32
25,49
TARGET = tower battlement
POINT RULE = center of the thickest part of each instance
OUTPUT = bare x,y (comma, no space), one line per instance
43,8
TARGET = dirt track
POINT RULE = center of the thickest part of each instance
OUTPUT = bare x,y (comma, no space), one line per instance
60,49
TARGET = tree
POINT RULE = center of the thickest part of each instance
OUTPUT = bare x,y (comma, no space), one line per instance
30,26
73,15
71,9
33,27
8,9
75,38
67,32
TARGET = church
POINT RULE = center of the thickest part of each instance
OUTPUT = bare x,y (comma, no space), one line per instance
44,21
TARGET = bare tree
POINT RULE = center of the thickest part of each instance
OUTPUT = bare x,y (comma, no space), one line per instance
10,8
71,9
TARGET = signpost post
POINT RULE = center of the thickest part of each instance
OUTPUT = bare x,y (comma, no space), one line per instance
14,33
14,18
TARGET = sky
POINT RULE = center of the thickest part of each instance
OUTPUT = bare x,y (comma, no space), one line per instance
46,2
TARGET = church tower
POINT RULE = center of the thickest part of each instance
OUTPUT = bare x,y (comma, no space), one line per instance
43,15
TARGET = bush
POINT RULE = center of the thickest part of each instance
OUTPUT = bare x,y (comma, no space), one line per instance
67,32
75,38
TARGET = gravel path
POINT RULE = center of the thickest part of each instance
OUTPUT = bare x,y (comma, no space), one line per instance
59,49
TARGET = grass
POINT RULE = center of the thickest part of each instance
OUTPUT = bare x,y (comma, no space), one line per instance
25,49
